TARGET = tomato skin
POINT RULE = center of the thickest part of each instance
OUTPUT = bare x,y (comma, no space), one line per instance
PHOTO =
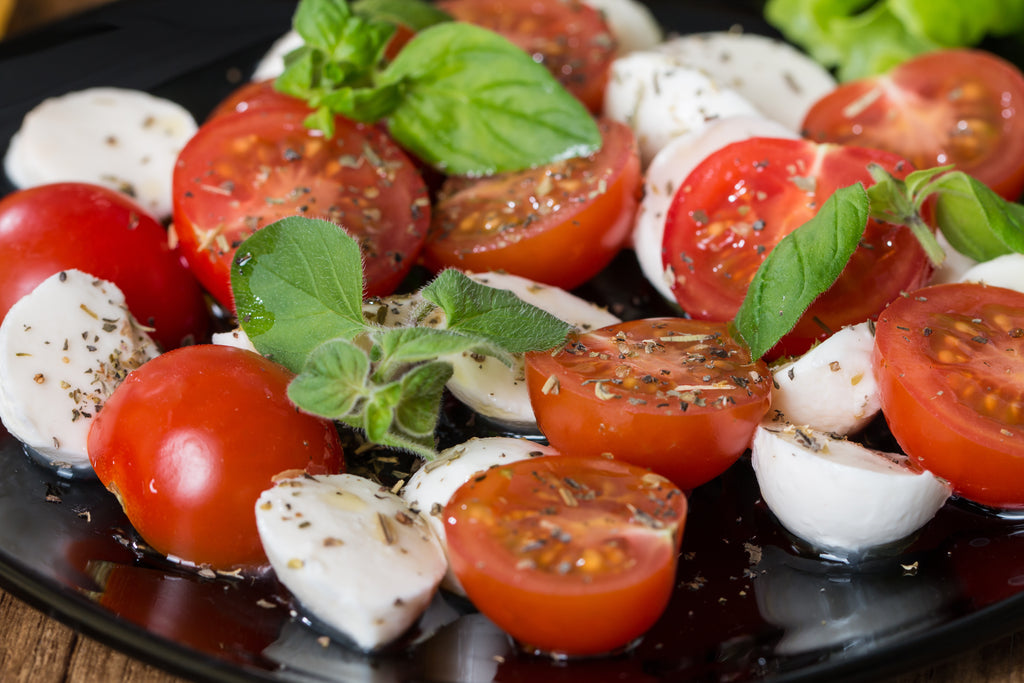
50,228
952,401
737,204
648,419
257,95
584,577
589,203
567,36
249,169
191,438
944,107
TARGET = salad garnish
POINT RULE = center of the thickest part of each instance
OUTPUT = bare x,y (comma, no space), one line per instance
974,219
459,97
298,288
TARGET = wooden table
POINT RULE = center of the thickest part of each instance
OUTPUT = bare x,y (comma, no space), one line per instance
38,649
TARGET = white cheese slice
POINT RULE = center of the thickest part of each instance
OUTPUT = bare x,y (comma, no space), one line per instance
839,497
64,348
832,387
271,65
669,169
778,79
127,140
1003,271
631,22
432,485
353,553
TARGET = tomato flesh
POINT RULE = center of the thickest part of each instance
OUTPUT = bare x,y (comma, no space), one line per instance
246,170
568,555
559,224
955,107
737,204
681,397
47,229
950,366
568,37
187,464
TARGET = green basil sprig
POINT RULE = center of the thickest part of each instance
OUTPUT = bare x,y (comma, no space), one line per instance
804,264
459,97
298,288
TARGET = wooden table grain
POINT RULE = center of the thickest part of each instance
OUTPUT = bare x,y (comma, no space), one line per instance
36,648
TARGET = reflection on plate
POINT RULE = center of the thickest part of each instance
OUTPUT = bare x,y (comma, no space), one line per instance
748,605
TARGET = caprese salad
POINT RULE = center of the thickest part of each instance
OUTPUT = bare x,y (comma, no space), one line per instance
394,211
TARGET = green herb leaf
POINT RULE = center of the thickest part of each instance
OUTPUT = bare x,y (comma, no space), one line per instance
475,104
496,315
422,387
404,345
321,23
803,265
413,14
977,222
297,283
333,380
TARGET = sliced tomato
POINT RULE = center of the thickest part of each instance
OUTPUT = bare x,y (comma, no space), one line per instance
257,95
960,107
559,224
249,169
50,228
737,204
681,397
950,367
569,37
568,555
189,440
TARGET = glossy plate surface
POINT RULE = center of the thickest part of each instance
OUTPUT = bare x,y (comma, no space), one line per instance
748,606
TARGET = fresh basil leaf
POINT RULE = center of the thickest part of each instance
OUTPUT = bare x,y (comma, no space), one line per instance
300,68
422,387
332,381
366,105
413,14
361,45
297,283
917,182
803,265
323,120
977,222
321,23
475,104
496,315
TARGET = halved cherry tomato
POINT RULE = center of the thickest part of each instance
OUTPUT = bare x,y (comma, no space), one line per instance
681,397
249,169
189,440
950,367
569,37
742,200
50,228
958,107
568,555
559,224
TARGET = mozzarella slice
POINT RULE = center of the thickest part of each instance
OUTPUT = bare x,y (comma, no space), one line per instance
661,98
64,347
235,337
631,22
955,265
667,171
353,553
832,387
271,65
430,487
838,496
778,79
127,140
1003,271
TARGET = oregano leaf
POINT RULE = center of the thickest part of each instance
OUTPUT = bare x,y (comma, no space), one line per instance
333,380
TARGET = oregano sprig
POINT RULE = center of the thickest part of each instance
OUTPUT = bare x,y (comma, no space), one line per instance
298,286
803,265
460,97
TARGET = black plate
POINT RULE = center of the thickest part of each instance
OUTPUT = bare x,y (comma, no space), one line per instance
748,606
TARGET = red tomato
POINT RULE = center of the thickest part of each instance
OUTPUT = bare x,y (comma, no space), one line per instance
247,170
46,229
559,224
950,367
681,397
741,201
945,107
257,95
568,555
189,441
569,37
